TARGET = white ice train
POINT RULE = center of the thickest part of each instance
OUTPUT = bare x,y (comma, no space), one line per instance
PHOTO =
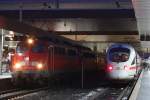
123,62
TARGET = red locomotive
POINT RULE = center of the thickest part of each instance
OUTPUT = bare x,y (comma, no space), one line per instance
40,59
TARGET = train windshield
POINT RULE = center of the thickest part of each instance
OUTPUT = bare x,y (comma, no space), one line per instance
38,48
21,48
119,54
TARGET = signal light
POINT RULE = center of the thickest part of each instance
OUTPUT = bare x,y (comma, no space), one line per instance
30,41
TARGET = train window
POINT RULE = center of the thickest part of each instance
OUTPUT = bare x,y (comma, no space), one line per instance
38,48
66,43
15,38
56,50
62,51
124,57
21,48
119,54
59,50
133,62
119,57
72,52
56,41
114,57
89,55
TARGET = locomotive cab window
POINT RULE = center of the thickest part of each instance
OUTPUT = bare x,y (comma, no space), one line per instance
21,48
119,54
38,48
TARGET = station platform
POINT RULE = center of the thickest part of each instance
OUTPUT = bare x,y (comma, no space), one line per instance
4,71
142,88
5,75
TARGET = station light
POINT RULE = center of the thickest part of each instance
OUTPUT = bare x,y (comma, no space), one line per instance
30,41
11,33
11,38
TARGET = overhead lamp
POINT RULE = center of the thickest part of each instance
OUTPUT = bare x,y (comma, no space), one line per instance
30,41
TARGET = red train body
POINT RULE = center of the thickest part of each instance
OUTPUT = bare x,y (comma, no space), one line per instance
42,59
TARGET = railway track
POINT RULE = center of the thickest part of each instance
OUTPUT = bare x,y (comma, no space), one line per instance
17,93
61,94
101,93
78,94
64,92
125,95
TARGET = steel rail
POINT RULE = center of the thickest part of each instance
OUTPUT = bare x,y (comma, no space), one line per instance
14,94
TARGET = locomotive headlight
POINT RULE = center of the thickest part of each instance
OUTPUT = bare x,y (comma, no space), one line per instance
39,65
20,54
17,65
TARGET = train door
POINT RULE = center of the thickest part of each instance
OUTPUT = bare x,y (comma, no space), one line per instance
51,59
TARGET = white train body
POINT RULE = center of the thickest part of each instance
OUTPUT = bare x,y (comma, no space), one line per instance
123,62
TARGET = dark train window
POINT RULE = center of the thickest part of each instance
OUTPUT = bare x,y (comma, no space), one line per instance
133,62
89,55
142,37
21,48
119,54
56,50
72,52
66,43
15,38
55,41
147,38
38,48
59,50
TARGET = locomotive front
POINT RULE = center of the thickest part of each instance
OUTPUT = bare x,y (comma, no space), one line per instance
121,62
30,61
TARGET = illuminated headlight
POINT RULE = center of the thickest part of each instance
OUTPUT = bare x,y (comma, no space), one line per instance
19,65
30,41
40,66
37,64
20,54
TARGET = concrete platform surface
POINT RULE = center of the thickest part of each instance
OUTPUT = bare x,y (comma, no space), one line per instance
144,92
5,75
142,88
